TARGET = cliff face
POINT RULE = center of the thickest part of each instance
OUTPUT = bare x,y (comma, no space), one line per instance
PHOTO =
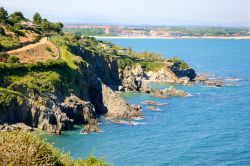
58,99
54,96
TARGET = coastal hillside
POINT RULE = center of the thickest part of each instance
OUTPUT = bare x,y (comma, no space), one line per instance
24,148
61,79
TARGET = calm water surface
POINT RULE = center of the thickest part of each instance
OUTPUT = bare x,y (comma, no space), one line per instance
211,127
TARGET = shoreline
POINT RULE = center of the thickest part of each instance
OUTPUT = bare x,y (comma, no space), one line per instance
170,38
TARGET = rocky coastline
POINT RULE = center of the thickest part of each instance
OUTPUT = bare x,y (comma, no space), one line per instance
70,97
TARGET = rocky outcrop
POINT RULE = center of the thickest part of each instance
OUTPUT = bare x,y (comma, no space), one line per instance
17,126
51,120
78,110
158,94
179,72
206,80
116,105
131,78
162,75
166,75
171,91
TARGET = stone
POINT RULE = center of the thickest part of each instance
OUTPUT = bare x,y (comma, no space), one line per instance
171,91
116,105
158,94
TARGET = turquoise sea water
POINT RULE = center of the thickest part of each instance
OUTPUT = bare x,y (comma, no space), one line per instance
211,127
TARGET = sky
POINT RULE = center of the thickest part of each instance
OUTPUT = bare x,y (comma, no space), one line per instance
138,12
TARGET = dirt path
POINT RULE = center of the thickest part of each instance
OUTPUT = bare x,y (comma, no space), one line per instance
38,52
30,46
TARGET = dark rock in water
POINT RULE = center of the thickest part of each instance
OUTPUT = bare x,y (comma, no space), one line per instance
189,72
204,79
158,94
90,127
215,83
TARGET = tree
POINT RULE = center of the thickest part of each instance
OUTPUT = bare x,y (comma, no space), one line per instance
16,17
3,14
37,19
45,25
58,27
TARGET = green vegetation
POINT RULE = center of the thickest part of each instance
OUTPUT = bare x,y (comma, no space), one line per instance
15,68
209,31
123,62
9,96
38,81
88,31
152,66
13,59
23,148
48,49
3,14
37,19
147,56
178,62
15,26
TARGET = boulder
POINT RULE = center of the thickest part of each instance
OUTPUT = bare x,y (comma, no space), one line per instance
78,110
152,108
171,91
132,78
51,120
158,94
16,126
116,105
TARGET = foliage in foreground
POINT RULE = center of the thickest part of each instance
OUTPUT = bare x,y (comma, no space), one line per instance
23,148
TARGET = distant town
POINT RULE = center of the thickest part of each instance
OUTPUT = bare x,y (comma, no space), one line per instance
156,31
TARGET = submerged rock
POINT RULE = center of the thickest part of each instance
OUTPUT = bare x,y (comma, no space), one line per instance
150,102
151,108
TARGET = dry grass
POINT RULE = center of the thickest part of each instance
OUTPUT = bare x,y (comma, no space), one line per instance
18,148
37,52
29,37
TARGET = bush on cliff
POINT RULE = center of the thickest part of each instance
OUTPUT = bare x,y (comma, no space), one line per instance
179,63
23,148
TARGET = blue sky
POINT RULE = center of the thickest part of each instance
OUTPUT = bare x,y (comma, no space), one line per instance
153,12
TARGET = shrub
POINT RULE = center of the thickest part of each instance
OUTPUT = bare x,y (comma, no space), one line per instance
123,62
152,66
13,59
8,68
23,148
179,63
48,49
148,56
3,57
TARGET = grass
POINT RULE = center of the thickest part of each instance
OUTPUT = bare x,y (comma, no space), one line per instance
69,58
8,42
152,66
23,148
179,63
39,81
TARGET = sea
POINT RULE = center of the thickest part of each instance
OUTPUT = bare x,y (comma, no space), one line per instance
210,127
